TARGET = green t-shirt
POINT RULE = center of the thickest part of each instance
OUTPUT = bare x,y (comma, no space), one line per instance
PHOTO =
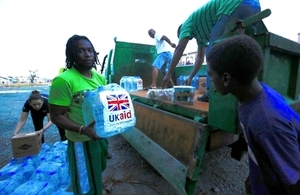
201,22
68,89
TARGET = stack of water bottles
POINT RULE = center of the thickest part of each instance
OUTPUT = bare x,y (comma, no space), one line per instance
160,94
131,83
42,174
194,83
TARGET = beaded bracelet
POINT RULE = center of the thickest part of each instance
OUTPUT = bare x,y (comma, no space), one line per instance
80,129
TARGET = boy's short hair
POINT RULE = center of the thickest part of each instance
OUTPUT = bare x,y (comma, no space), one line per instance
240,56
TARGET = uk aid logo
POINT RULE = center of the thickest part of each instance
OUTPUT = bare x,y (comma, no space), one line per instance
120,105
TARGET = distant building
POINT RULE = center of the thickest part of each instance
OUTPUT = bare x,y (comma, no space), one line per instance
13,79
4,80
39,80
24,80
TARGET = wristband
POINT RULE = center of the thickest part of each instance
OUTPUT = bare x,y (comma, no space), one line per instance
80,129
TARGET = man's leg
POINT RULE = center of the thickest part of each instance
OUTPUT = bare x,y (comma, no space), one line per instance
157,65
154,77
169,57
171,83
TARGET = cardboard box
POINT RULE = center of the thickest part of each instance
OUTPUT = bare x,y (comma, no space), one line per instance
25,144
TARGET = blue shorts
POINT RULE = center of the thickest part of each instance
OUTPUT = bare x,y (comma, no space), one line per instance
162,61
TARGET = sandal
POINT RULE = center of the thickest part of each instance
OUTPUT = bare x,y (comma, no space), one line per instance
105,192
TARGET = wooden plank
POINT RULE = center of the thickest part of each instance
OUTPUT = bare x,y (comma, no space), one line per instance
170,168
179,136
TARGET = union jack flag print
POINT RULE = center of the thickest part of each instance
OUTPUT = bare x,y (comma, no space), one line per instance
117,102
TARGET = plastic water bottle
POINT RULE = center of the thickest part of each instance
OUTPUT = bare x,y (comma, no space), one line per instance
18,172
126,83
45,147
55,156
32,159
82,169
185,78
134,83
47,189
16,161
92,108
129,82
34,187
195,82
112,109
46,157
58,152
139,82
62,192
65,176
7,169
179,80
8,186
60,146
123,82
23,173
49,171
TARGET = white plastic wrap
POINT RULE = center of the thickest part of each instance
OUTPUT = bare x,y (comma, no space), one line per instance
160,94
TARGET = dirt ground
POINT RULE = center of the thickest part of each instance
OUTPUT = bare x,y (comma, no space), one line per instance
128,173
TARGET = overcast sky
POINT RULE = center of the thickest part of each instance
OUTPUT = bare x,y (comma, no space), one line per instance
34,33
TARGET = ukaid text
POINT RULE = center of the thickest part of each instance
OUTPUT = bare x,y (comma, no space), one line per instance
112,109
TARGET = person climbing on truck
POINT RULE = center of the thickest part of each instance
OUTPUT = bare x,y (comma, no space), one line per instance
270,125
206,25
164,56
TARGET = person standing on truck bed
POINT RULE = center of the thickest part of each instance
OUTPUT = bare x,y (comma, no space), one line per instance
164,56
66,96
270,125
205,25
